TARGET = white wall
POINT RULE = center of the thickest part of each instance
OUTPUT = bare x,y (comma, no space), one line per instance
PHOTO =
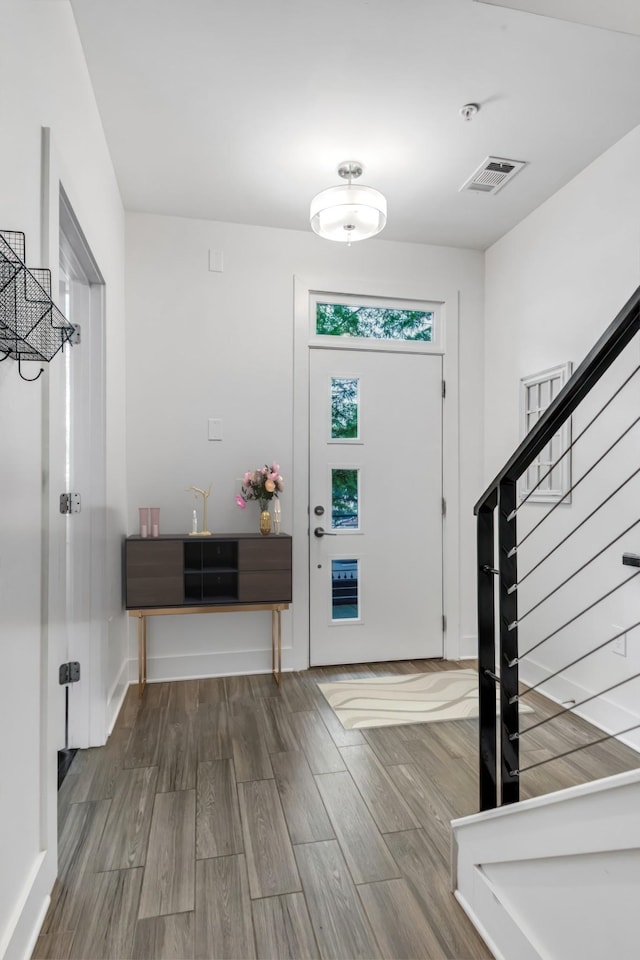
553,284
46,84
203,344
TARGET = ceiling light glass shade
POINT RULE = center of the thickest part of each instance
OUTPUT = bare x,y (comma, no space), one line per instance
348,212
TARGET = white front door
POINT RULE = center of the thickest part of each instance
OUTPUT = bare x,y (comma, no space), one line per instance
375,513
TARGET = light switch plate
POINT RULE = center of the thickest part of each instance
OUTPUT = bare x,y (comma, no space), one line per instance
215,429
619,645
216,261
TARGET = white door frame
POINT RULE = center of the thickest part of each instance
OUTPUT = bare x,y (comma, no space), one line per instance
87,723
56,211
298,659
35,895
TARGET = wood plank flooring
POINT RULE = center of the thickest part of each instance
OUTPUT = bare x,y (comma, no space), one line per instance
230,818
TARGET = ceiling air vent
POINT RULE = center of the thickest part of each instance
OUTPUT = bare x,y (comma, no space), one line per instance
492,174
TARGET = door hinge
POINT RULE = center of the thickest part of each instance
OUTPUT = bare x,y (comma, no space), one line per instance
444,389
69,672
444,623
76,336
69,503
444,507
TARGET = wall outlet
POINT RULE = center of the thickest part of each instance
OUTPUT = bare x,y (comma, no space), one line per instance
619,645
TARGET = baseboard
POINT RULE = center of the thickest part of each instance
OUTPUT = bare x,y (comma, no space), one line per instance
117,693
37,927
493,947
602,713
19,937
201,665
261,673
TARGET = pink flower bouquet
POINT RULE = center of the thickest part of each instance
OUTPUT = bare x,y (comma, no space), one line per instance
262,484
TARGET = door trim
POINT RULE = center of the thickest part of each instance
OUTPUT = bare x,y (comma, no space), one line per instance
53,198
88,722
303,289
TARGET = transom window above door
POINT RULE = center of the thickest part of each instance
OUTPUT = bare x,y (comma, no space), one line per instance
339,320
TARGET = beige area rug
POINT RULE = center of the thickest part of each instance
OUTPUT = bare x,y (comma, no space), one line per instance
409,698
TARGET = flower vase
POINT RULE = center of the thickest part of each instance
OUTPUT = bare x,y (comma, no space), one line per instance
265,518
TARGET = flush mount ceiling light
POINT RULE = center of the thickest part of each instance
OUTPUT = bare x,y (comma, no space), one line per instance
350,211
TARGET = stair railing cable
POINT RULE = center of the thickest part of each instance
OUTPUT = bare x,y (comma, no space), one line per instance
578,526
575,573
578,482
567,623
573,707
567,666
583,746
497,549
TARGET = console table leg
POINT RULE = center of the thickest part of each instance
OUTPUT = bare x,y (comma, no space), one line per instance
145,651
273,644
279,646
142,654
276,626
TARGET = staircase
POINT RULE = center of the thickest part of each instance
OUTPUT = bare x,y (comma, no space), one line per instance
558,876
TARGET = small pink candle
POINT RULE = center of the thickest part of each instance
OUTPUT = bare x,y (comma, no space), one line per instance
143,521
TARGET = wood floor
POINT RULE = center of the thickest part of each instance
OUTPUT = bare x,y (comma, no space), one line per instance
227,818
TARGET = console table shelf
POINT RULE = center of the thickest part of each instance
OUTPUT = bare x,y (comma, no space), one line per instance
178,574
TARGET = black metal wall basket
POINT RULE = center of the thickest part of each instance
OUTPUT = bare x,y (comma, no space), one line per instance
31,326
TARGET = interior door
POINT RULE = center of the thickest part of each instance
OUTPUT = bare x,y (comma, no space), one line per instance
77,625
375,517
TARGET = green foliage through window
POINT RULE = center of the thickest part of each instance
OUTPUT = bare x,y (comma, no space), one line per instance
344,408
344,499
374,323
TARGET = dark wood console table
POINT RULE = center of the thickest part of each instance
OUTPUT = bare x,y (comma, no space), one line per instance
178,574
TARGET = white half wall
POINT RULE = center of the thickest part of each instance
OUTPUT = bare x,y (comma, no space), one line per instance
553,284
557,876
46,84
205,344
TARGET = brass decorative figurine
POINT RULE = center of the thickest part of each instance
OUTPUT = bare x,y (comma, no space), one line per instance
204,494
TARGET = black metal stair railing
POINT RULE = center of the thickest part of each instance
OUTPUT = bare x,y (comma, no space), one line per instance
500,553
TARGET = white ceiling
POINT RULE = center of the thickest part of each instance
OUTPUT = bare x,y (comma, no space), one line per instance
621,15
241,110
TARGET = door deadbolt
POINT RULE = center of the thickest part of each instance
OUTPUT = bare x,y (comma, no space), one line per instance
318,511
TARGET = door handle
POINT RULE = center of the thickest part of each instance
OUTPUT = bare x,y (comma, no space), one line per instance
320,532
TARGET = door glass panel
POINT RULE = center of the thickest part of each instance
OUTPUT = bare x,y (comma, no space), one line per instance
344,590
345,398
345,497
373,323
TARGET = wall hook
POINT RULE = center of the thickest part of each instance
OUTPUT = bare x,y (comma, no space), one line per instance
29,379
7,354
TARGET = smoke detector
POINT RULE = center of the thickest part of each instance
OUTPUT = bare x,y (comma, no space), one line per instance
492,174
